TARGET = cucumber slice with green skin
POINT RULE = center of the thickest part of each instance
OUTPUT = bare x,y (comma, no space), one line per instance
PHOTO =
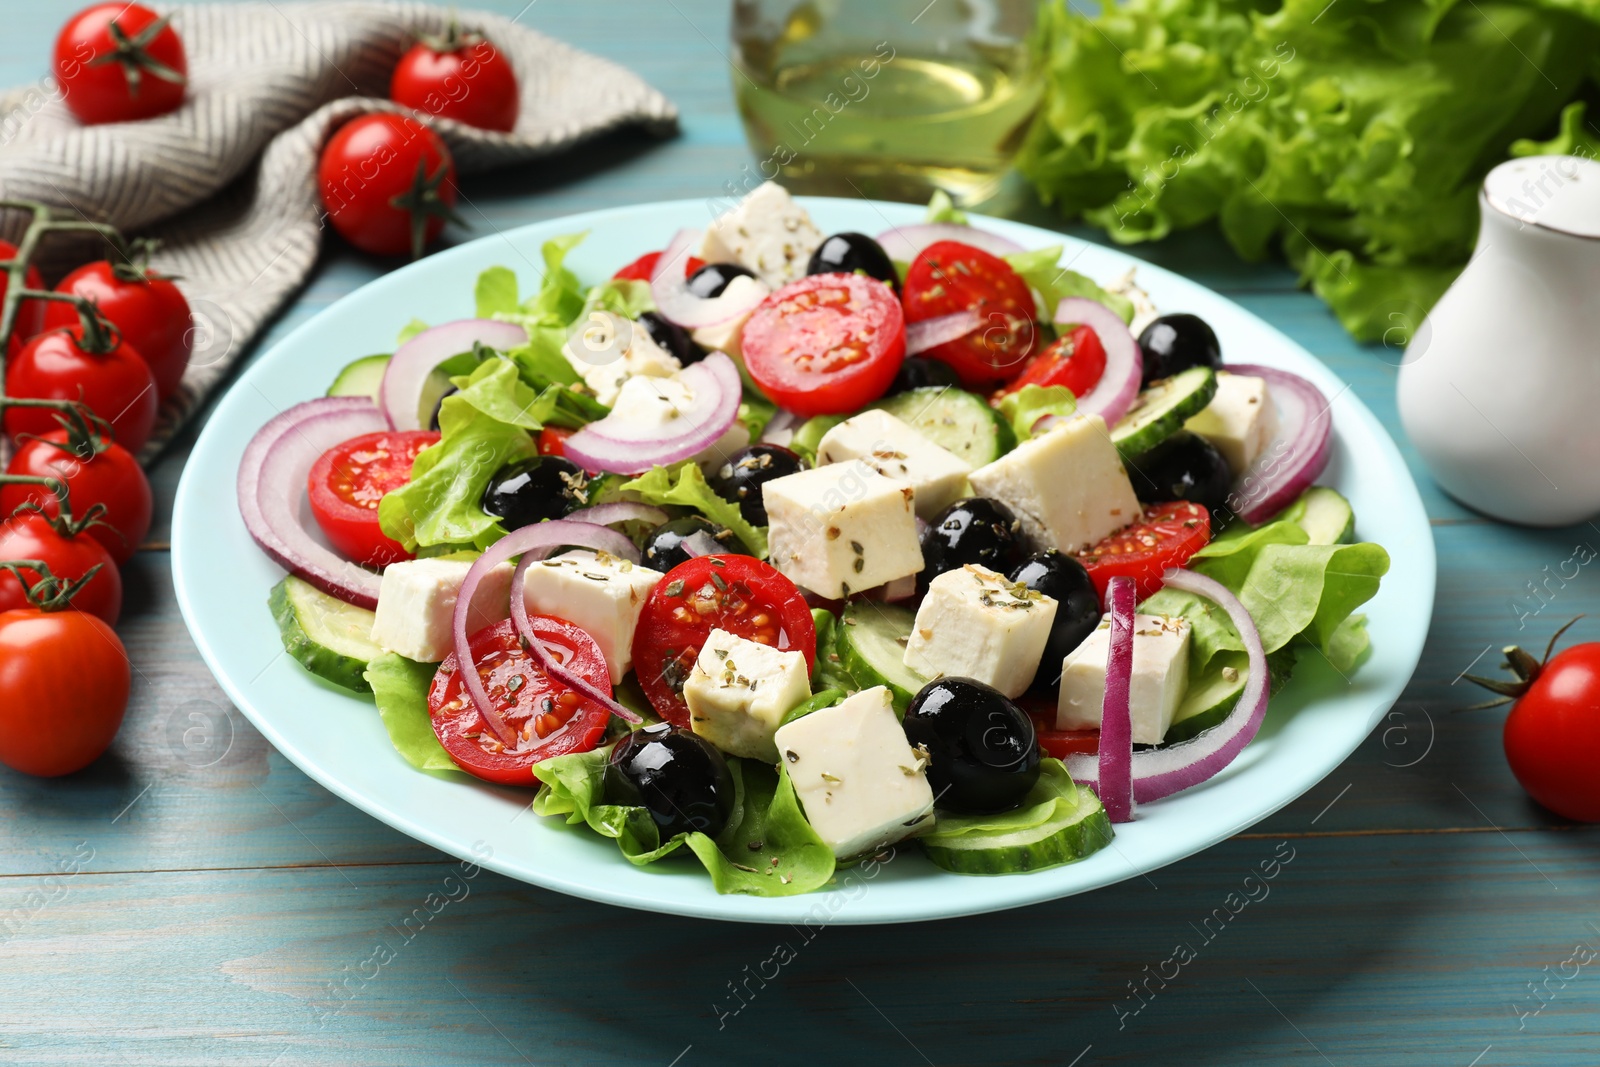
330,638
871,641
1072,833
956,421
1205,706
1324,515
1162,408
361,378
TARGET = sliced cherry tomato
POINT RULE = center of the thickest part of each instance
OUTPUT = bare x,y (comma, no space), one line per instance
146,308
109,476
1059,744
947,277
31,536
30,316
388,183
63,688
642,268
739,594
458,76
1076,361
1166,535
553,440
347,482
826,344
120,62
547,718
116,385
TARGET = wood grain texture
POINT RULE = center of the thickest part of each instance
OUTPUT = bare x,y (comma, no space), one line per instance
194,899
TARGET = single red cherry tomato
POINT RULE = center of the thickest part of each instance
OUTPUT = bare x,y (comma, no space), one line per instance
1059,744
553,440
1076,361
109,476
146,308
641,269
458,76
947,277
347,482
546,718
31,536
120,62
30,316
826,344
116,385
739,594
1166,535
63,688
388,184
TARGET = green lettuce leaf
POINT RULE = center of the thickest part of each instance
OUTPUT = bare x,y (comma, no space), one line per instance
684,484
627,297
942,209
829,672
825,699
496,293
1025,407
400,687
755,411
408,331
1053,284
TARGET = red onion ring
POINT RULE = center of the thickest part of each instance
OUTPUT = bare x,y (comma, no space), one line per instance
930,333
619,511
272,491
613,445
400,394
675,303
904,242
532,543
1118,386
1295,457
1160,772
1116,713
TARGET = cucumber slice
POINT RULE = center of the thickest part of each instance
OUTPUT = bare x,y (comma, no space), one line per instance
361,378
1077,828
1162,408
1206,705
1324,515
954,420
871,641
329,638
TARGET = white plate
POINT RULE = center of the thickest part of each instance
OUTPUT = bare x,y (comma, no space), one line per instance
222,581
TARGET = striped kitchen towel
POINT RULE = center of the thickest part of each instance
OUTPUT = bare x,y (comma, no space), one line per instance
227,183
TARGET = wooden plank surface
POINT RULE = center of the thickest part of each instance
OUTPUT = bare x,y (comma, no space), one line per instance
193,898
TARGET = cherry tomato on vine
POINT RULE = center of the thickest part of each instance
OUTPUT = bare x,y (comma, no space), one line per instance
146,308
64,682
69,557
947,277
642,268
115,384
30,316
388,183
347,482
109,476
460,76
119,62
1166,535
1076,361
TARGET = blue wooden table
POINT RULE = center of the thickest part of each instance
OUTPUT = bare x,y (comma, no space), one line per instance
206,903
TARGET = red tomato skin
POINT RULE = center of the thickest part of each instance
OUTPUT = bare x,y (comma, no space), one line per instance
935,286
116,385
1552,736
30,536
151,315
64,683
371,465
474,84
97,94
553,440
30,316
1075,361
826,344
1184,529
112,477
642,268
370,160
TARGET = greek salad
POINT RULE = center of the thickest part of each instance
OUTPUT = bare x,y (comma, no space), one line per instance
780,549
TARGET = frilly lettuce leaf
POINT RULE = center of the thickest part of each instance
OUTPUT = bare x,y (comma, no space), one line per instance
942,209
1040,268
684,484
1024,408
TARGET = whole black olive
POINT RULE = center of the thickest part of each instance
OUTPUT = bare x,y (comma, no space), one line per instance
918,373
983,753
679,778
1064,580
976,530
664,549
1183,467
847,253
740,478
672,337
1175,343
532,490
711,279
438,405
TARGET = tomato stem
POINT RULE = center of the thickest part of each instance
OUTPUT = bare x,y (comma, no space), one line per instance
1521,664
133,56
63,522
49,593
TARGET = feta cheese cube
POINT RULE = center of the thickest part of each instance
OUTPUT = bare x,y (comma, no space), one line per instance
768,233
1160,676
1240,420
975,623
740,690
842,528
862,784
897,451
598,593
417,604
610,349
724,336
1067,485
